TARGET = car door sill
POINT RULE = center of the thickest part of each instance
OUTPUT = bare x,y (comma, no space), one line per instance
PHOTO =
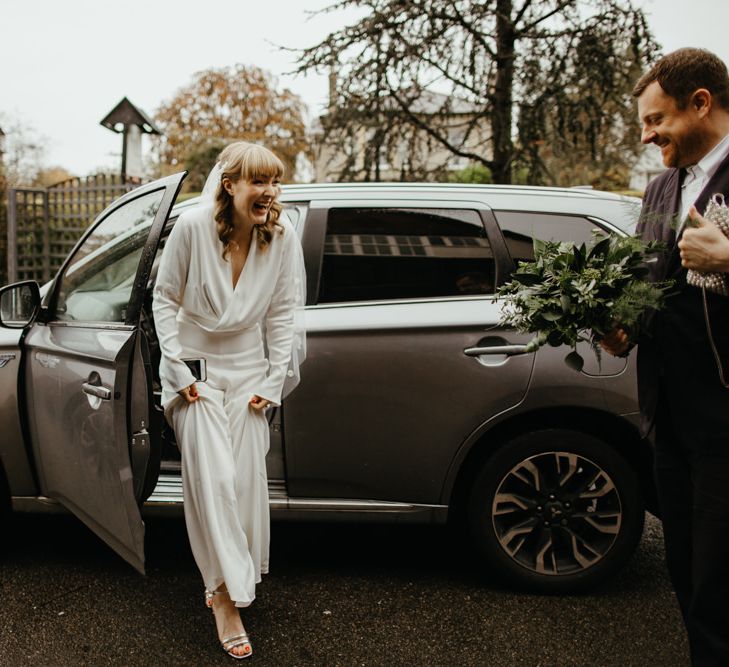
37,505
168,496
166,500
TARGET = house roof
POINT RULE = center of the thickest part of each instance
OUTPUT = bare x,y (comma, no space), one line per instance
432,102
428,102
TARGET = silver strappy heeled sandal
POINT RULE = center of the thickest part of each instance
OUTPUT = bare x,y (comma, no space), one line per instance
230,643
234,641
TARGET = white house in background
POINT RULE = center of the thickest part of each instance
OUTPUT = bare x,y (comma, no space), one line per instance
648,166
330,157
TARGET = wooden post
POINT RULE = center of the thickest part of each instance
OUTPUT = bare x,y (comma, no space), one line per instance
12,237
125,134
46,238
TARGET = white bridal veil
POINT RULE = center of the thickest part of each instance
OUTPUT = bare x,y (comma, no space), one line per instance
298,352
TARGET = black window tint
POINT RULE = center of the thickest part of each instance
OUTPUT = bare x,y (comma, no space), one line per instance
521,228
378,254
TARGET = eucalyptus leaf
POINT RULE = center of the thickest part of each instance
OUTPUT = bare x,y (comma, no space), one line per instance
555,338
600,248
575,361
528,278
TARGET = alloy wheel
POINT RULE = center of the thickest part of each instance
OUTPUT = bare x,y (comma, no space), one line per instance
556,513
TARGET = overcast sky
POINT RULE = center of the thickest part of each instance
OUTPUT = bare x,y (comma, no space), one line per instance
65,63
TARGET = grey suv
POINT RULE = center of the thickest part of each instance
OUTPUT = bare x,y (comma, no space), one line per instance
415,405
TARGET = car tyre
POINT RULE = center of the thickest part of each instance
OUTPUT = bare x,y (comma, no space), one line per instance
556,511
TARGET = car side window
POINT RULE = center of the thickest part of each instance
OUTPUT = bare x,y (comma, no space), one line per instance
97,283
374,254
521,228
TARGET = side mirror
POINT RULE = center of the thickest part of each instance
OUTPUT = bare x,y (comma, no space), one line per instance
19,304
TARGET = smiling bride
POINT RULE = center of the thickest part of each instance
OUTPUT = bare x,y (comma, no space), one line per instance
230,282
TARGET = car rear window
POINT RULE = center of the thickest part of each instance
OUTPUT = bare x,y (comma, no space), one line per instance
404,253
521,228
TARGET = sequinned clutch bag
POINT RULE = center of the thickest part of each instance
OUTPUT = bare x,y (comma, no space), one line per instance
717,212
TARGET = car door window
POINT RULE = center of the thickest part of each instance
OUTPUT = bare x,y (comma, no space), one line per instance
97,283
404,253
521,228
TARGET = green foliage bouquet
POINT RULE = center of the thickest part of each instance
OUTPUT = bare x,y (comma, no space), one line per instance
573,293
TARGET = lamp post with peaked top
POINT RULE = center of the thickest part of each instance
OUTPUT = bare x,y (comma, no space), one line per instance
3,180
131,122
2,149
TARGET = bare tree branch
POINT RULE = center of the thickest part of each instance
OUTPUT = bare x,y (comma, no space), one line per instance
535,80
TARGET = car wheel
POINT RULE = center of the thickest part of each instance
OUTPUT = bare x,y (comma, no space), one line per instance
556,511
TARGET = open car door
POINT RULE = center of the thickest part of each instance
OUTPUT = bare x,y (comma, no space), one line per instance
87,376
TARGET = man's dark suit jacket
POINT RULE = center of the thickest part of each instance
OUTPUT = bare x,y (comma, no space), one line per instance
674,351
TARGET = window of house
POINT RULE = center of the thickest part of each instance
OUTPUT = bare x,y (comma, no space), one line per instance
404,253
521,228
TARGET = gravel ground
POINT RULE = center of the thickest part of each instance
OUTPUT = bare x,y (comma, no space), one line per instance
337,595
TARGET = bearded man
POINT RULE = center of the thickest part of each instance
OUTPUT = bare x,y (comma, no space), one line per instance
683,349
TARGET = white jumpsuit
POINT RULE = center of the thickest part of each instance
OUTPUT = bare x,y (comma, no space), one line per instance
245,334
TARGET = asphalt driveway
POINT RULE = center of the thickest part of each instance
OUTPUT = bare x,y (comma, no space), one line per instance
337,595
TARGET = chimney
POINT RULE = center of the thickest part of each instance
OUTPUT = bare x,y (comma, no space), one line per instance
332,88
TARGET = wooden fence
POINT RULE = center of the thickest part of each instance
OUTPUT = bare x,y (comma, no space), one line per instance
43,224
3,235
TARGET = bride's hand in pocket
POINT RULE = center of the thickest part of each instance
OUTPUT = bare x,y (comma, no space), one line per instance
259,403
189,393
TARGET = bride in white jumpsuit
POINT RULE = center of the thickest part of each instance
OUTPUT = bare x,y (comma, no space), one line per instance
228,286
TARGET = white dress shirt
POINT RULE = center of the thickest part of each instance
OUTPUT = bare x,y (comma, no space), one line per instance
699,174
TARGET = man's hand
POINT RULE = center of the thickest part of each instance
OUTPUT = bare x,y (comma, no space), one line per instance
704,247
615,342
189,393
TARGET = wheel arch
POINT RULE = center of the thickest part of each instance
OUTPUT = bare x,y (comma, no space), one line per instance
619,433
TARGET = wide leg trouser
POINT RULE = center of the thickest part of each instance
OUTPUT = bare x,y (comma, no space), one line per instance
692,475
224,444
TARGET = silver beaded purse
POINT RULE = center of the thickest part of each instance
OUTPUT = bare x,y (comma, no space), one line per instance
717,212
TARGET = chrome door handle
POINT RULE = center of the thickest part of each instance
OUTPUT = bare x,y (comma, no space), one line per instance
95,390
508,350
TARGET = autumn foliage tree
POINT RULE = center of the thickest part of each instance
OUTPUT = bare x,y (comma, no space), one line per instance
229,104
550,79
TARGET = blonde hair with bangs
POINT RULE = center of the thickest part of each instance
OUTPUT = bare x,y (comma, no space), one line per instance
250,162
